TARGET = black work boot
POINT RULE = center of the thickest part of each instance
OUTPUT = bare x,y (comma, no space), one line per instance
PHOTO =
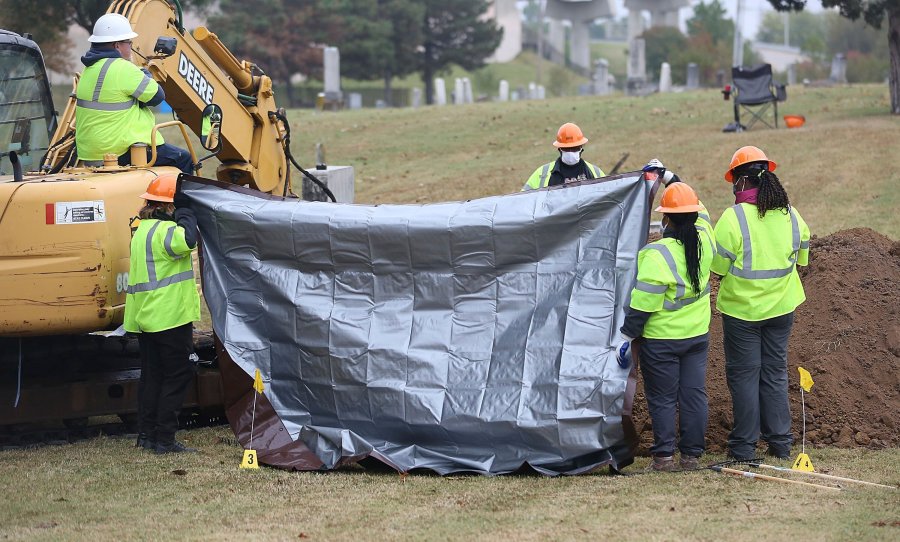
174,448
141,441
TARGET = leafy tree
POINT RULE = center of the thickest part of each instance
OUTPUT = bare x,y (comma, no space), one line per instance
48,21
662,45
874,12
711,19
404,39
455,33
807,31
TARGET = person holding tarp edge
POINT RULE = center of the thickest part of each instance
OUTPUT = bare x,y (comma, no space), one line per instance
760,241
570,166
670,312
161,304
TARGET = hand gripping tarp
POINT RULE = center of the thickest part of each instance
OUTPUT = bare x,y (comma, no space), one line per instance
468,336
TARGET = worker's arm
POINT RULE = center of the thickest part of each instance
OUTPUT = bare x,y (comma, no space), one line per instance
728,241
803,255
649,293
142,87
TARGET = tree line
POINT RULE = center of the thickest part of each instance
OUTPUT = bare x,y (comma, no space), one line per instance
378,39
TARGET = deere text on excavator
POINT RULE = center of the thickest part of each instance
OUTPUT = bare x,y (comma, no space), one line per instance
65,223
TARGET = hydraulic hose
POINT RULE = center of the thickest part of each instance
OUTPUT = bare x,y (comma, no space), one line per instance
287,153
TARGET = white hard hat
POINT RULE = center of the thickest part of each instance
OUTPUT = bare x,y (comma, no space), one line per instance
110,28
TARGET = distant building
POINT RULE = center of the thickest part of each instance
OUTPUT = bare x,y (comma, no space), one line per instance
779,56
510,20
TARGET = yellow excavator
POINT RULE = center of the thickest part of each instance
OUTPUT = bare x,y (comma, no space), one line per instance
65,224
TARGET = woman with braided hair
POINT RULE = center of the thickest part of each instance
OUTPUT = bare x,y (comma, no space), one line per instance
760,241
669,311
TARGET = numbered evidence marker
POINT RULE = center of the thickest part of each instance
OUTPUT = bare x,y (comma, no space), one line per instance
803,463
249,461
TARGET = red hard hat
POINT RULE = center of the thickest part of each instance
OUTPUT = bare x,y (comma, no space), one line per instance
679,198
161,188
569,135
745,155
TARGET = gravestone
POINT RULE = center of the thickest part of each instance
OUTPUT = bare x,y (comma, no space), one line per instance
415,98
504,90
459,92
532,91
637,66
440,91
839,69
467,91
693,76
541,92
720,78
665,77
601,77
354,100
332,65
792,74
514,96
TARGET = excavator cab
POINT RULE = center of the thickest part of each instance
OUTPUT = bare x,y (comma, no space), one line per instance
27,117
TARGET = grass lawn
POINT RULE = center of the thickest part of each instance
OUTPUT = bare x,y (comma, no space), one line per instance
104,489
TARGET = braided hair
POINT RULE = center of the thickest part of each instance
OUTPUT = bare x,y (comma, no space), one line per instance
771,193
686,234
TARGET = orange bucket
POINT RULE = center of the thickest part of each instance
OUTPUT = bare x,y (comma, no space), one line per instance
794,121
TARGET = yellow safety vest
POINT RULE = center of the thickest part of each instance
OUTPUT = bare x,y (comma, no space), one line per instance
541,175
108,117
662,288
758,259
161,291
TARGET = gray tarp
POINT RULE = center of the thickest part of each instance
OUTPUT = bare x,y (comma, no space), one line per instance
467,336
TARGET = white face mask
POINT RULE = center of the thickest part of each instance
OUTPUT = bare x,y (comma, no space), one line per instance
571,158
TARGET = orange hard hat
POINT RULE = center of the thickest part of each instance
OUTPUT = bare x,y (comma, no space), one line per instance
745,155
679,198
161,188
569,135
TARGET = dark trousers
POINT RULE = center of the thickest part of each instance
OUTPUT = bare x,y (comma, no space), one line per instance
756,370
674,373
166,371
166,155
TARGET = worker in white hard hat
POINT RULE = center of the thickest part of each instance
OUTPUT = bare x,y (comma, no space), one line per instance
112,100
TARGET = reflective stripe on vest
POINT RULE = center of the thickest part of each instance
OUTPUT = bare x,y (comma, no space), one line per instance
152,283
544,175
747,272
595,170
96,104
680,286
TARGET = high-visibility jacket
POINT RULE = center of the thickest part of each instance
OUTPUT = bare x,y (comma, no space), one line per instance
541,176
161,291
663,287
758,259
108,117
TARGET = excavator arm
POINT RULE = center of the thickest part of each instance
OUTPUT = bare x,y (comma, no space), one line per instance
195,70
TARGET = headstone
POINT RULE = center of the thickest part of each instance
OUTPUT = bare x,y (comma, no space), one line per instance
637,66
601,77
514,96
693,76
467,91
839,68
380,104
792,74
720,78
355,100
532,91
416,97
504,90
332,61
440,91
541,92
665,77
459,93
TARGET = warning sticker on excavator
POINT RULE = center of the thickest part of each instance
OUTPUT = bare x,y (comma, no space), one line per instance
76,212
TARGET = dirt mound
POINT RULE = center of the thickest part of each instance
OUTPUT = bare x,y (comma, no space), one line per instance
846,334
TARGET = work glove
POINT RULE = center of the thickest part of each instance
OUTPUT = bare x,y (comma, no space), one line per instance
623,354
665,176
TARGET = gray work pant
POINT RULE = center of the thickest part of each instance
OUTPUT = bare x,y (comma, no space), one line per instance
674,373
756,370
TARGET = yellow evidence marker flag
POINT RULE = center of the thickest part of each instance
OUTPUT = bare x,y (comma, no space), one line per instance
258,383
249,461
806,381
803,463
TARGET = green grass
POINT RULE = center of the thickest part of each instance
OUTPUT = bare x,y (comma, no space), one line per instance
838,169
104,489
616,52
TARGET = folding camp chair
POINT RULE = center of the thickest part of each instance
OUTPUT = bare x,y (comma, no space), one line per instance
755,92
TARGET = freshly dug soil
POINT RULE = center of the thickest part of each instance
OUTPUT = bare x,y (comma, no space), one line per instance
846,334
